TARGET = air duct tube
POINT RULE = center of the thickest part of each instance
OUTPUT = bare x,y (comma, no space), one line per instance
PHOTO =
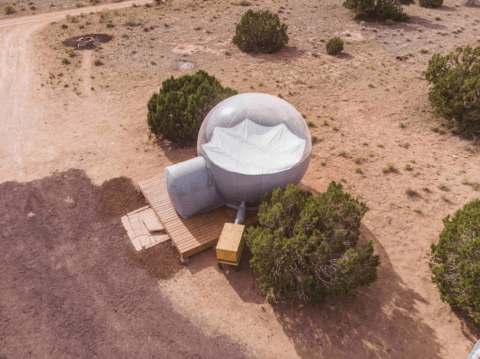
191,187
241,213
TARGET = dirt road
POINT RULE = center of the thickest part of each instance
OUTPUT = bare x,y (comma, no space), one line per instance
28,148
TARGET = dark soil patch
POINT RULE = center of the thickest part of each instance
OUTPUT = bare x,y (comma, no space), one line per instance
69,287
160,262
87,42
117,197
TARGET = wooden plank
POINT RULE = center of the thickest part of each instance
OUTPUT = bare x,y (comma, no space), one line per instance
207,236
152,180
193,235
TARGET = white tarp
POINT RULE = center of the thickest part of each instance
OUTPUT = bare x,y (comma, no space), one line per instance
252,149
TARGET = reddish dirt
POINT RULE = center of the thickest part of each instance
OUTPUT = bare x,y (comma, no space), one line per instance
68,285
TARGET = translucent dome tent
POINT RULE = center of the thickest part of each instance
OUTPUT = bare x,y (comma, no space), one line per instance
248,145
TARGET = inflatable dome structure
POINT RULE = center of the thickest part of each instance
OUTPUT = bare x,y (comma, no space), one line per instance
248,145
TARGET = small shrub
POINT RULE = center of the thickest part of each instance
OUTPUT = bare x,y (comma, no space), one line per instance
98,62
408,167
244,3
474,185
378,9
9,9
454,95
260,31
110,26
177,111
64,26
443,187
359,170
424,50
72,19
334,46
389,167
455,261
343,153
411,192
401,124
325,122
65,61
310,124
306,247
430,3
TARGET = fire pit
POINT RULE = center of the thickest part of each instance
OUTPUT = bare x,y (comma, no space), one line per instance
87,42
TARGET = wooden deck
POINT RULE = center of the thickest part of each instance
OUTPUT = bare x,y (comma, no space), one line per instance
192,235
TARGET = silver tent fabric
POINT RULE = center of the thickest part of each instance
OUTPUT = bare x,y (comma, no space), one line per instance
475,353
245,183
252,149
191,187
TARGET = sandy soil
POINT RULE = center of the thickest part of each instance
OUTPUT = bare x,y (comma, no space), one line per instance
363,96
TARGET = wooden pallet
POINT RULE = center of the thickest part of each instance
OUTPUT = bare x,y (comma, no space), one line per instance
193,235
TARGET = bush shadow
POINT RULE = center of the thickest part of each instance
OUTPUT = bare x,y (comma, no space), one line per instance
243,281
285,54
469,329
473,4
446,8
411,25
345,56
382,322
417,20
176,153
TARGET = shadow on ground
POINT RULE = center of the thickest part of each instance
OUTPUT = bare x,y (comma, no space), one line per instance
243,281
286,53
446,8
69,287
381,323
412,25
175,153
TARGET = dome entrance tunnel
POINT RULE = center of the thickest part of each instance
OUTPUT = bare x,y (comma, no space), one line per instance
248,145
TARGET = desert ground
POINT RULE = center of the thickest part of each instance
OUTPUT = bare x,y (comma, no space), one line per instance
85,122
